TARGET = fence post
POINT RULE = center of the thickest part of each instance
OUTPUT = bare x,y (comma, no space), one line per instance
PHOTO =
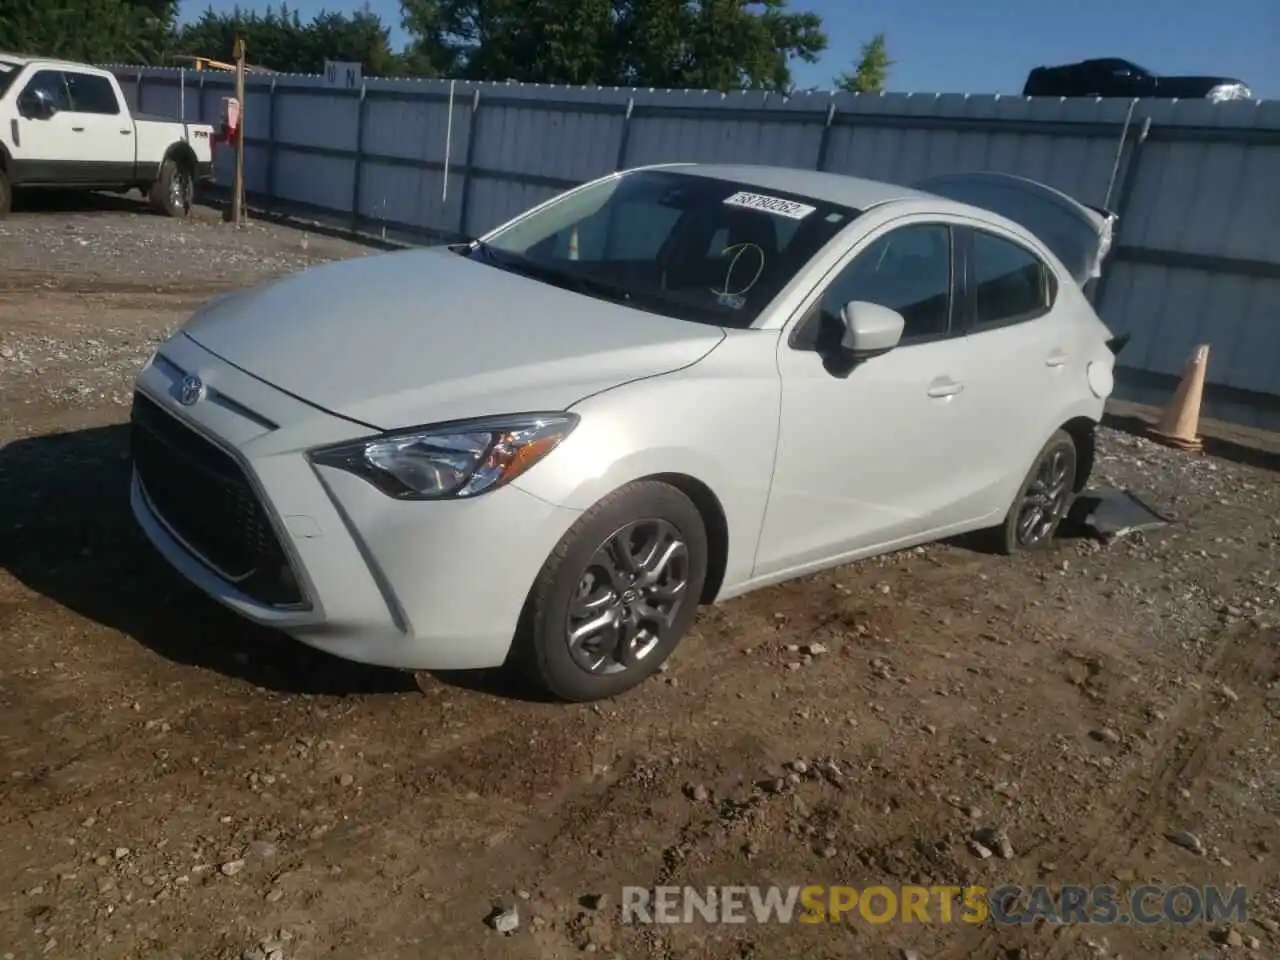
625,139
825,143
269,184
358,163
465,204
1123,198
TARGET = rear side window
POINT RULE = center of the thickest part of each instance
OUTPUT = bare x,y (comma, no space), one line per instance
91,94
1010,283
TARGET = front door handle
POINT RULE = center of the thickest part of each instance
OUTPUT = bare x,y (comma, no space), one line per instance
126,132
77,129
944,387
1056,359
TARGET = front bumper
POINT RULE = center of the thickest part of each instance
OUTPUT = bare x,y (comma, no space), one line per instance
412,585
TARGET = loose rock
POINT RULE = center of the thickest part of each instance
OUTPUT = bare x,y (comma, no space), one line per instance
1187,840
504,920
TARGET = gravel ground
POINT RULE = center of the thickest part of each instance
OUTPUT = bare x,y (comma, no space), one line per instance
175,783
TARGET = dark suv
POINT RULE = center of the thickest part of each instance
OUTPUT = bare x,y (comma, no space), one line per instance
1122,78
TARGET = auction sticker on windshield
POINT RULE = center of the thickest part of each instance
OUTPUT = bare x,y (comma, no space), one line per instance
758,201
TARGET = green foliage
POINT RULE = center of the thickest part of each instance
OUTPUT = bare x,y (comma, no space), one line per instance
280,40
872,70
711,44
95,31
703,44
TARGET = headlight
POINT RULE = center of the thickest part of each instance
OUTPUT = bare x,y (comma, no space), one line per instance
452,460
1230,91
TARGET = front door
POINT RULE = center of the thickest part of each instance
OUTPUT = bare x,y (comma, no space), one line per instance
44,149
872,455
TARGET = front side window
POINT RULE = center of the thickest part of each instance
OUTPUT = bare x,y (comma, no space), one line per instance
907,270
1011,284
51,84
684,245
91,94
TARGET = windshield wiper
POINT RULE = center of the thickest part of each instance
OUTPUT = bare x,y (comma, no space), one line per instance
562,278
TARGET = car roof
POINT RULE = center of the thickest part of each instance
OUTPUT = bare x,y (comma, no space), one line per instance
855,192
22,60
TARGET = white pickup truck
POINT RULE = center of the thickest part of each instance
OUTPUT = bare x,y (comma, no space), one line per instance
67,126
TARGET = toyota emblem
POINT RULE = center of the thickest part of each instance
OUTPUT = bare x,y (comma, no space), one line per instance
191,392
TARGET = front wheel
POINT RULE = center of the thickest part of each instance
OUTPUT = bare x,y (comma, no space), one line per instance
173,190
616,594
1043,499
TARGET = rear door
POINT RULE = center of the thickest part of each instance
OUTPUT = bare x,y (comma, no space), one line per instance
104,131
1023,354
1079,236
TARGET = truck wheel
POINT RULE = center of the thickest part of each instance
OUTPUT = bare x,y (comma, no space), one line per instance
173,188
6,194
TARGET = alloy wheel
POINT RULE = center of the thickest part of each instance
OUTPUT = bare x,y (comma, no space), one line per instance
628,597
1045,500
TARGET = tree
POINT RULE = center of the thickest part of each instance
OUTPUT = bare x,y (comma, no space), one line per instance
872,71
712,44
279,40
95,31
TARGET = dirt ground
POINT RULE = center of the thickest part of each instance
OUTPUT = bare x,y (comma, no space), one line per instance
176,783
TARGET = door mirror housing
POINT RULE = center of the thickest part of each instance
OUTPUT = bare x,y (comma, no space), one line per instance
869,329
37,105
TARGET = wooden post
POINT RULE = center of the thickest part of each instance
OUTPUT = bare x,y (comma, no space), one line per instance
237,195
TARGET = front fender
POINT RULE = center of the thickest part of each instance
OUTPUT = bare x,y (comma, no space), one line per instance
715,422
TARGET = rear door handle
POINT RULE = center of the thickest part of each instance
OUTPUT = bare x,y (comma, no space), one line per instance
126,132
77,129
1056,359
944,387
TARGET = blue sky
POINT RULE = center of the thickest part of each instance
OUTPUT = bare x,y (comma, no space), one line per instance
987,46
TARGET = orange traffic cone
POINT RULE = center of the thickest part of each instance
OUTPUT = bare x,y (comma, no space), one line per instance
1181,418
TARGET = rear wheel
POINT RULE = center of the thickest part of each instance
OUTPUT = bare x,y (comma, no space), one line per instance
616,594
6,194
173,189
1043,499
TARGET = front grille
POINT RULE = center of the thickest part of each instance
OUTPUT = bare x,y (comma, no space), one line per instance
203,496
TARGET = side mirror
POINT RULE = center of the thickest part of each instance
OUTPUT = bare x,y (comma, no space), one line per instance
38,105
869,329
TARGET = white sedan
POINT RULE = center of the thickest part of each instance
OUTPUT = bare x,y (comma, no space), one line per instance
664,388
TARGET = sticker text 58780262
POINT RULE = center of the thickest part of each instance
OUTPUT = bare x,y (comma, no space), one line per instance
766,204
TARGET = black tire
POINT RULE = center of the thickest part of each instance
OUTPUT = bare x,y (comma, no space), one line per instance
6,194
580,571
1051,482
173,189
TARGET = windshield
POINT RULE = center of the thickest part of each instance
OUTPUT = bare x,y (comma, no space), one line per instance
687,246
8,73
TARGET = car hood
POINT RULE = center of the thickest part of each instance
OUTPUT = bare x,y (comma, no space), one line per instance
424,336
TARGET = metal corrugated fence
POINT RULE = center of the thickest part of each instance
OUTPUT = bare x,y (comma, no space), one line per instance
1196,184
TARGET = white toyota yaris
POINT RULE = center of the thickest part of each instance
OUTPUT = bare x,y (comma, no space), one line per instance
667,387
